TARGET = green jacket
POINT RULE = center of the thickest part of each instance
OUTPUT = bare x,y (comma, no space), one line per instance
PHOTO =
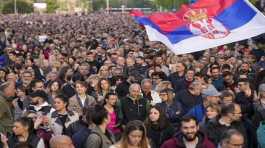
6,118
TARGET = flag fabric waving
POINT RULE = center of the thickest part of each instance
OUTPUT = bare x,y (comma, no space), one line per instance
203,24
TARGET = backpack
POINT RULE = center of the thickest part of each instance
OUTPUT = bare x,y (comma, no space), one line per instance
80,137
261,134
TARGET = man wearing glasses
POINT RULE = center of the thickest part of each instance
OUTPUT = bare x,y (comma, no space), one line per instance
232,139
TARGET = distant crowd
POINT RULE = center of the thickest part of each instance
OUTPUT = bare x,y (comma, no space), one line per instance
95,81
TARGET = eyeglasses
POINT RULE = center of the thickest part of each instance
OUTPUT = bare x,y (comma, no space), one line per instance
237,113
162,94
240,84
155,78
236,145
27,76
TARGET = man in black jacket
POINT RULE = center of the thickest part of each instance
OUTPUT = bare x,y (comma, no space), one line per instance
245,98
134,107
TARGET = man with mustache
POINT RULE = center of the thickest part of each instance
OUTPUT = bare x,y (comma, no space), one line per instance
189,136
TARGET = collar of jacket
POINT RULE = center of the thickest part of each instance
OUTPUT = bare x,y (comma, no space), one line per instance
133,99
55,114
201,137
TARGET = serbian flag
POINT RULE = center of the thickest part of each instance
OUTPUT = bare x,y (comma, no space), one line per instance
203,24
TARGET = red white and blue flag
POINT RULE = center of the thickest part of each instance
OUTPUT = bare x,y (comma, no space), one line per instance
203,24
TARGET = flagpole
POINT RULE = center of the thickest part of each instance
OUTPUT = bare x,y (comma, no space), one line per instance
107,4
15,6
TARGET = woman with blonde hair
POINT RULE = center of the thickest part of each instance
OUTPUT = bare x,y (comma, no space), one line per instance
163,85
134,136
103,72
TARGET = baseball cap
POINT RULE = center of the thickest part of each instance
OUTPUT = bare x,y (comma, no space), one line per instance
210,91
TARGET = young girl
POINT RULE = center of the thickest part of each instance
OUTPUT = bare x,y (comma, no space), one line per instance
158,127
104,88
54,88
115,120
134,136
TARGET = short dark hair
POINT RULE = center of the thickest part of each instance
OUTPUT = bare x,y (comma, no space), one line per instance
112,93
39,93
188,118
183,64
199,74
229,133
226,109
227,93
35,81
27,71
227,73
226,66
212,68
99,114
63,98
83,83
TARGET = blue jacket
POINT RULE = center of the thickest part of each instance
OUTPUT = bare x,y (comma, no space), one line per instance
219,84
198,112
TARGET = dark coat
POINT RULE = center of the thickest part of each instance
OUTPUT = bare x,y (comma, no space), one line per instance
246,104
133,110
33,141
175,79
158,136
215,131
173,112
259,115
246,127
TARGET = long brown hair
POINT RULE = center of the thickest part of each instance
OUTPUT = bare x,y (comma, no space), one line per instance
162,122
132,126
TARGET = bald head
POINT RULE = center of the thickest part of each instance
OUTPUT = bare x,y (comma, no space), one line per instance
61,141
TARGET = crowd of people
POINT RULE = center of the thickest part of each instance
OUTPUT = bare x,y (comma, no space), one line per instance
95,81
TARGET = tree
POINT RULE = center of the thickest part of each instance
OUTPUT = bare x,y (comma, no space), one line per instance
98,4
85,5
169,4
22,7
52,6
138,3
